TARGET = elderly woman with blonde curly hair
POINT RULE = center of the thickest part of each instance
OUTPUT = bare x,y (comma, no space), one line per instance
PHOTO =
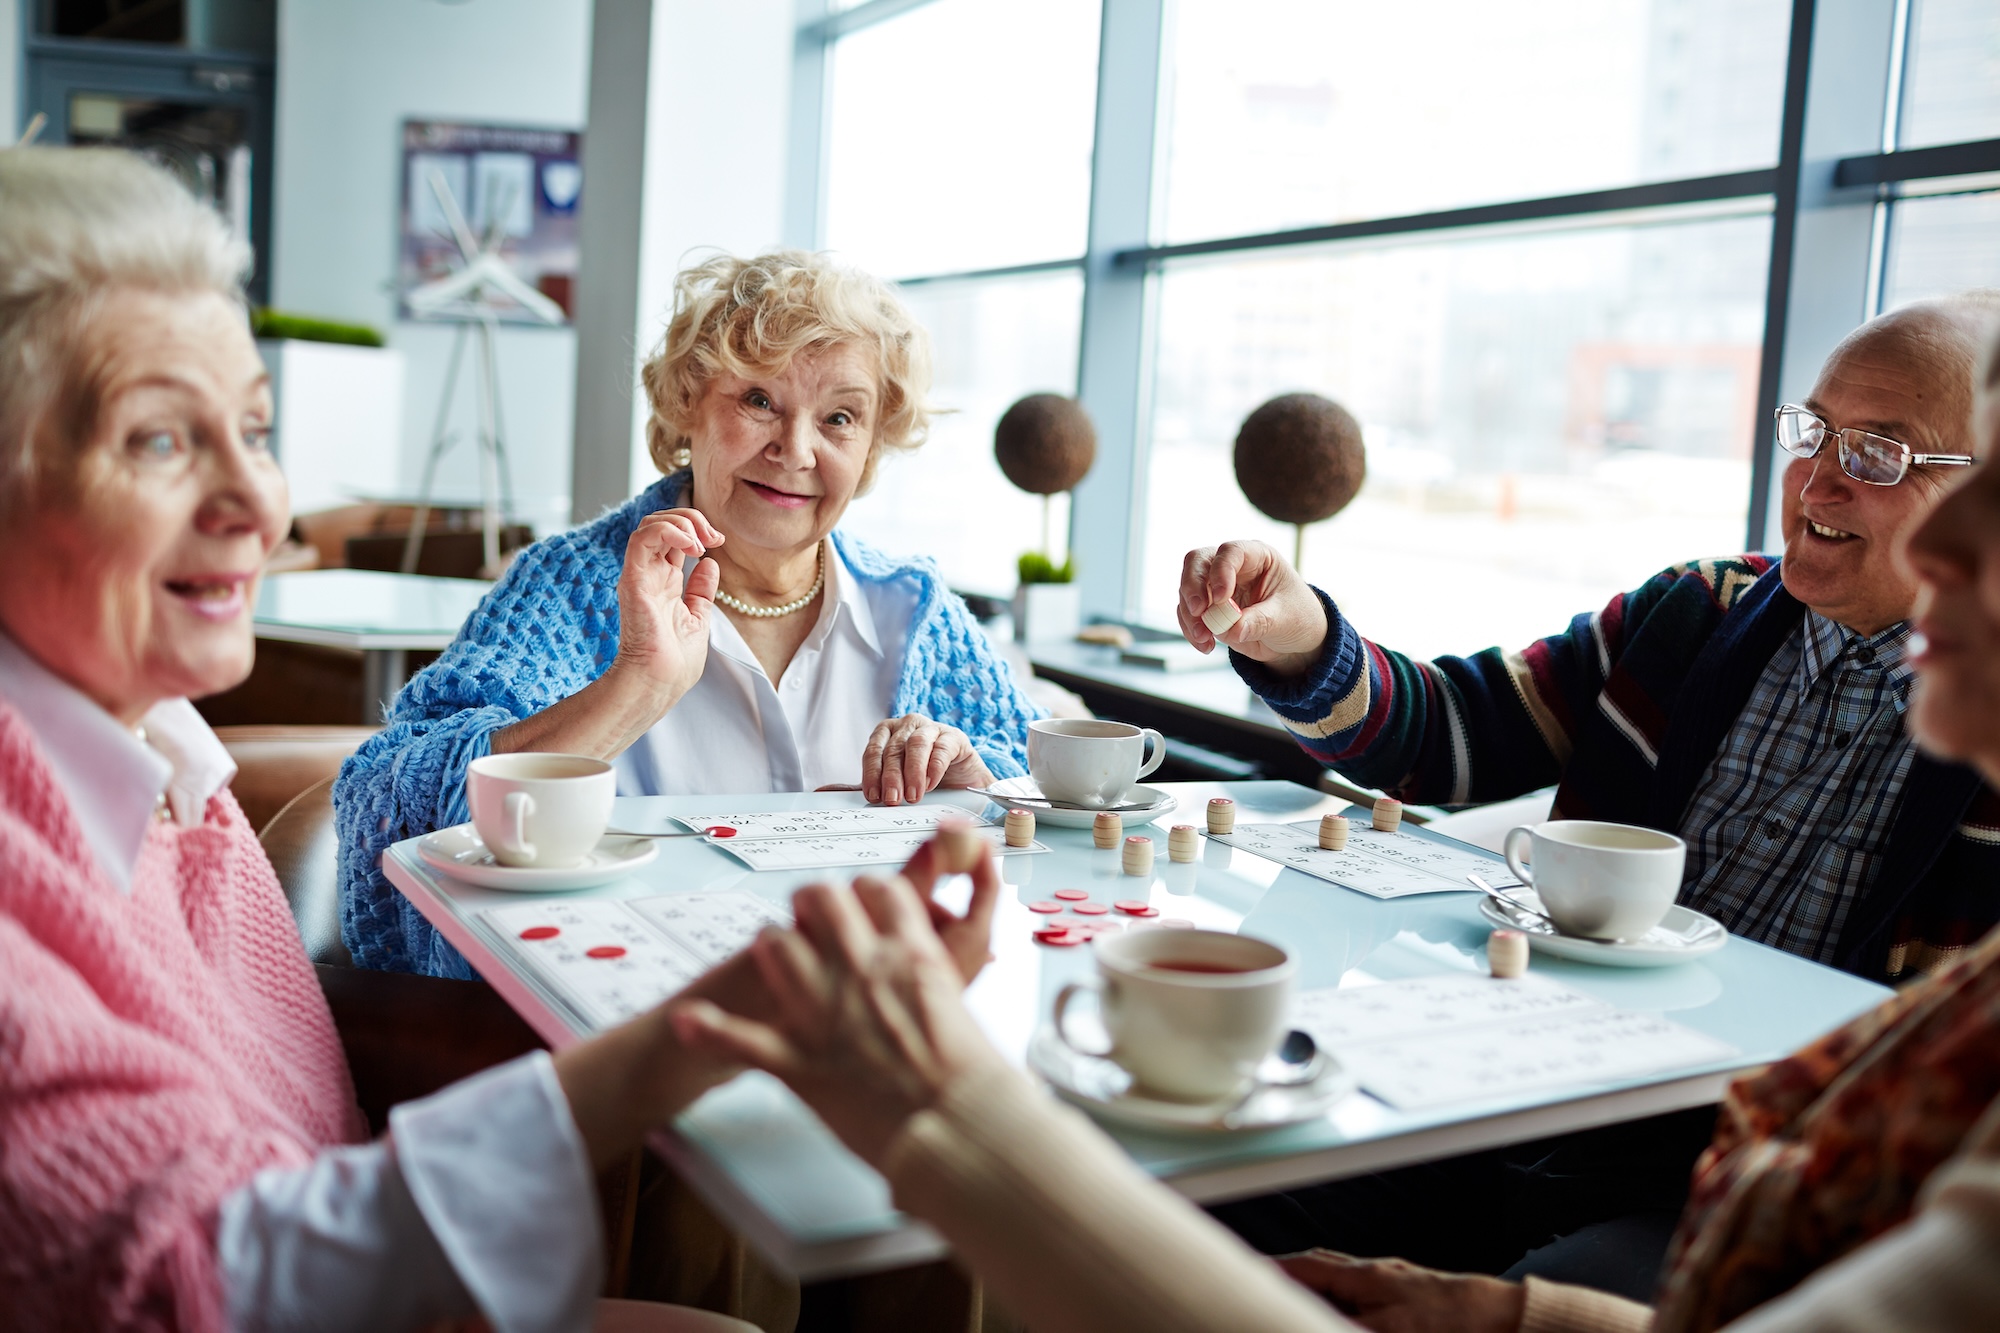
716,633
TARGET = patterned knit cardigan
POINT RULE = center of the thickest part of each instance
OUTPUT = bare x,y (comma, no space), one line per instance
549,628
158,1048
1626,710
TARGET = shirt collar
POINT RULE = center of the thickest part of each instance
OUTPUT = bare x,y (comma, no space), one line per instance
1827,643
850,602
842,604
116,781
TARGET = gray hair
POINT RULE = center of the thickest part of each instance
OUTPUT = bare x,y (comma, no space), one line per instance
76,224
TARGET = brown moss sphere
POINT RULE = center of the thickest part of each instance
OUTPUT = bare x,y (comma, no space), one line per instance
1299,458
1045,443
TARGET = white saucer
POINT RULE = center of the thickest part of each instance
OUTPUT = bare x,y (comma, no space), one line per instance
1004,793
458,852
1103,1090
1681,935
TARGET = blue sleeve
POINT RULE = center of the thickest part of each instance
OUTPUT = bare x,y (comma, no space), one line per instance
953,674
549,628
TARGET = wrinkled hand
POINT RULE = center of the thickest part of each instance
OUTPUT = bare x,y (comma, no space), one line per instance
663,618
910,755
1393,1296
870,1028
1283,622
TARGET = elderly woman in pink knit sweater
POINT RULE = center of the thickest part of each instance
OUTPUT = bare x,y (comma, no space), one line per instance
179,1142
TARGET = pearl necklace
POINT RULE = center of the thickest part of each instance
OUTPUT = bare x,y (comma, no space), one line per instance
743,608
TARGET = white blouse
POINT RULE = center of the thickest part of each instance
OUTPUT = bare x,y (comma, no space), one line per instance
737,731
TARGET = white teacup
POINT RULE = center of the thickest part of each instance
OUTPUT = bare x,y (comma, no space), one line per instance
1601,881
544,810
1191,1013
1082,761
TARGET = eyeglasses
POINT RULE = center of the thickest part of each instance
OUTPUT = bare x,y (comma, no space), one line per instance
1875,459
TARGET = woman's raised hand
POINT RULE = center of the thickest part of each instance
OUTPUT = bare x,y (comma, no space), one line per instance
662,616
1283,623
869,1028
910,755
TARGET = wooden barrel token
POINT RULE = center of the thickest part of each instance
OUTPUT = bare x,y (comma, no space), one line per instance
1388,814
1221,616
1020,828
1221,815
1138,857
1332,833
1107,828
1182,842
958,848
1507,953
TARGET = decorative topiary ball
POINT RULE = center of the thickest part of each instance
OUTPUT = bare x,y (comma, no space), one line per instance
1045,443
1299,458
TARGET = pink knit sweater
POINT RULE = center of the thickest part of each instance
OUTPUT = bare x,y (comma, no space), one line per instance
156,1051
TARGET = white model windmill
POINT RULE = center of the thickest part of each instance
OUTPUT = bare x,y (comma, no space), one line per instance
474,295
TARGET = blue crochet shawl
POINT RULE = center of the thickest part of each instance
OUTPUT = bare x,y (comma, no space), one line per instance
550,627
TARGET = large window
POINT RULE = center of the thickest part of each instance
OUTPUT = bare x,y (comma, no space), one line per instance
995,341
1548,418
1944,236
959,136
939,171
1535,248
1291,113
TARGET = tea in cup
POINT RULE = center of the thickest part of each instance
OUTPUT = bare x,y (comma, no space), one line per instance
1083,761
1596,880
541,810
1190,1013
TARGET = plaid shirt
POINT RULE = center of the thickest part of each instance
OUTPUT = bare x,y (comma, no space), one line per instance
1789,823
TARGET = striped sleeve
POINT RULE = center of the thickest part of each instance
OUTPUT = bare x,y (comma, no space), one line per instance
1452,730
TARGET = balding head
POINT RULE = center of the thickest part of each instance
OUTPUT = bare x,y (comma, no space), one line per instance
1908,375
1935,349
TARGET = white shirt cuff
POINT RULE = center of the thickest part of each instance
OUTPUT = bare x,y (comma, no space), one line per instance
499,1171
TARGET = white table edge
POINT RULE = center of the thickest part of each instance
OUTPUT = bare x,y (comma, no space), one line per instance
363,640
913,1242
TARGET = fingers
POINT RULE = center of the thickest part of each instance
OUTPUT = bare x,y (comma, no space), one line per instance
872,759
917,751
896,908
836,924
971,940
1194,598
716,1032
702,585
896,764
1234,562
694,521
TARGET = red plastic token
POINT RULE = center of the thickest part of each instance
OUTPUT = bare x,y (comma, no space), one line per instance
540,933
1045,906
1060,939
1149,912
1090,909
1072,895
606,951
719,831
1132,906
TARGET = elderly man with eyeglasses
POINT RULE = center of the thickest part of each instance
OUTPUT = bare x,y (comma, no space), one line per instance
1750,704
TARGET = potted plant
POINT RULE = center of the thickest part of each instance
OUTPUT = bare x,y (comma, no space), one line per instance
1045,443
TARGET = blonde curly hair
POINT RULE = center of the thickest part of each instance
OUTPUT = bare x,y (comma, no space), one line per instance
750,317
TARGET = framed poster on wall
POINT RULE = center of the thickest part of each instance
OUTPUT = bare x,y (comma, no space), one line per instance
517,189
